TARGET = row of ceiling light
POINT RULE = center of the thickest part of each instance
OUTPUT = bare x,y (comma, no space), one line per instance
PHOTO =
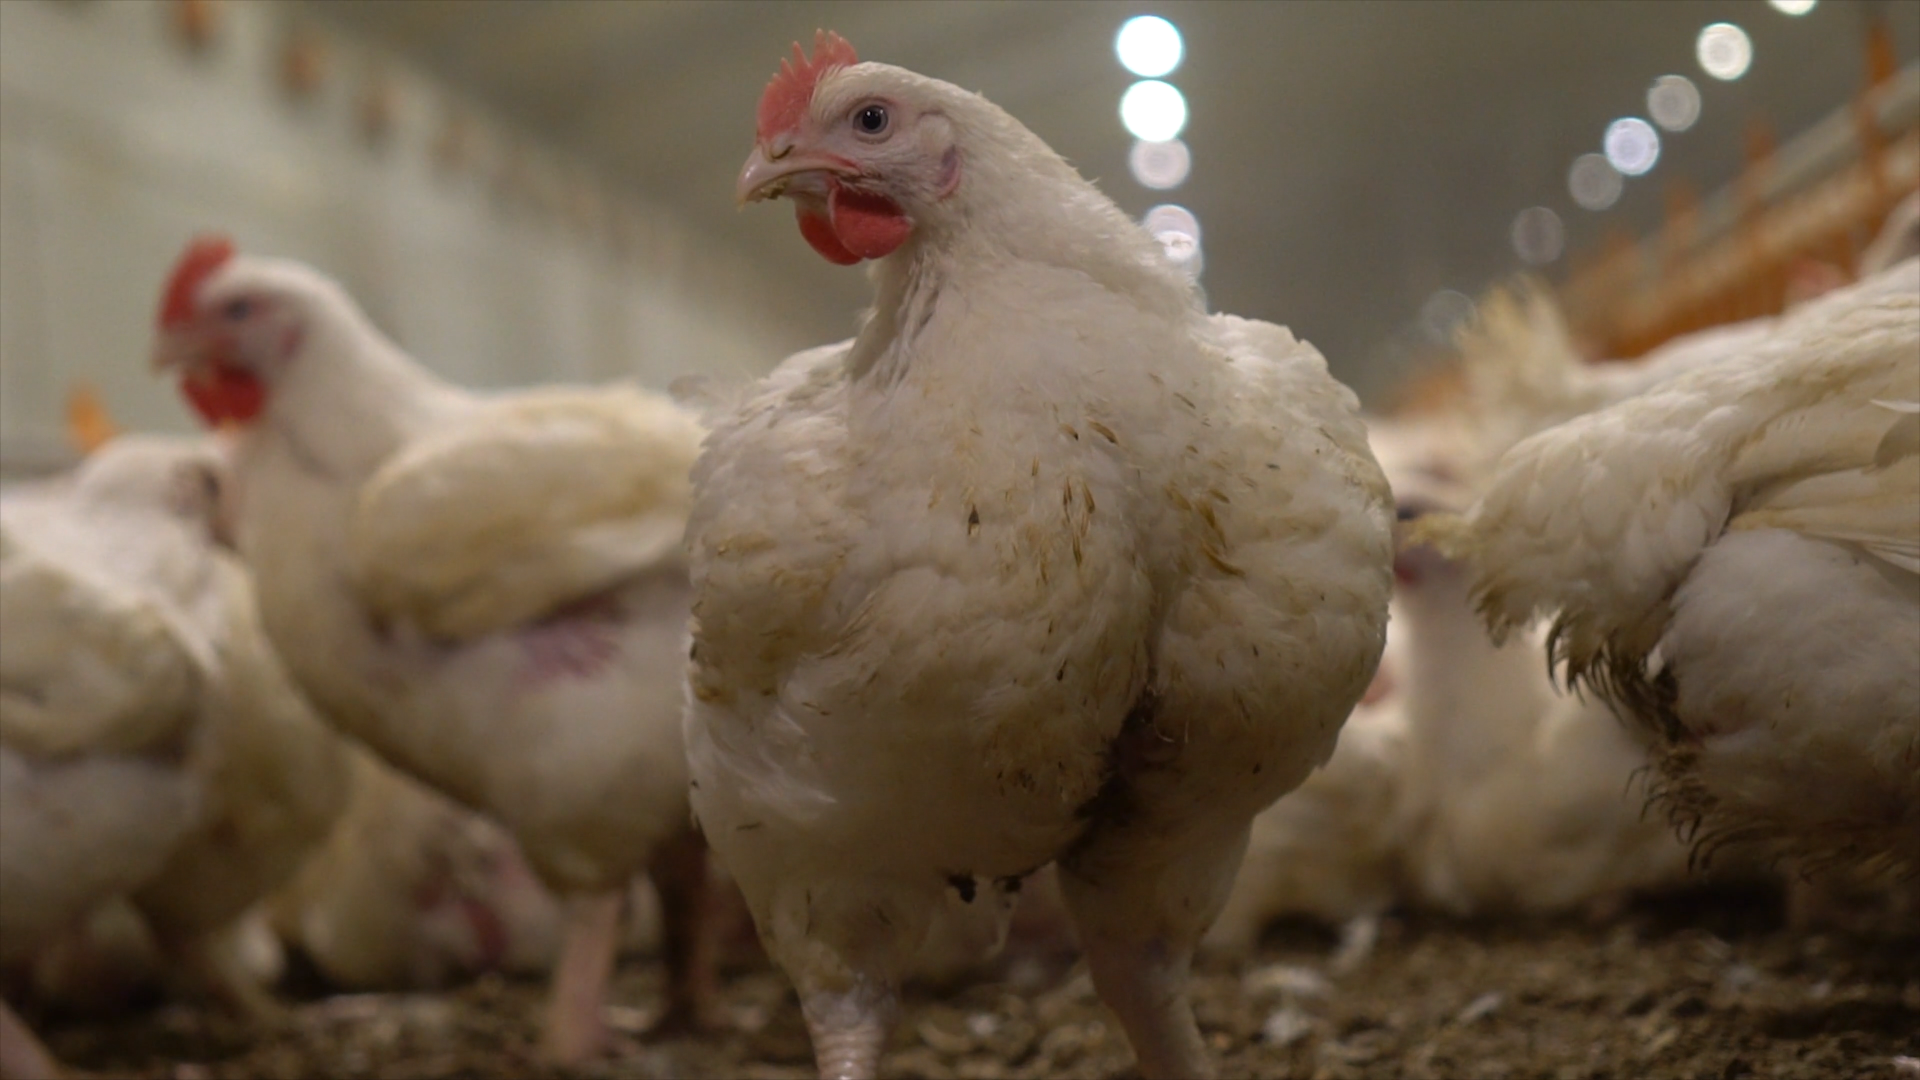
1155,113
1631,145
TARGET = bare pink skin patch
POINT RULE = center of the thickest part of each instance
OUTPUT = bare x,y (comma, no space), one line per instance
579,641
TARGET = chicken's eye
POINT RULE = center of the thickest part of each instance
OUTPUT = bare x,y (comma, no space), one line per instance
236,310
871,120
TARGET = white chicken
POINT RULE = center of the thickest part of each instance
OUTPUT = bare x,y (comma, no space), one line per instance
1045,564
1525,374
1733,559
488,591
1332,850
151,746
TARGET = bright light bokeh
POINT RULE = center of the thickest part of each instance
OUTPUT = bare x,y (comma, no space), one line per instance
1632,146
1161,166
1674,102
1153,111
1725,51
1538,236
1149,46
1179,233
1793,7
1168,217
1593,183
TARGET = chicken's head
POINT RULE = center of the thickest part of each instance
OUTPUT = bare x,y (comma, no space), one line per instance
1421,461
229,326
867,152
185,479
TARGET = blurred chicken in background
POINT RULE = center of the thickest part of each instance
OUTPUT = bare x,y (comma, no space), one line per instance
1519,798
1732,559
151,746
412,891
488,591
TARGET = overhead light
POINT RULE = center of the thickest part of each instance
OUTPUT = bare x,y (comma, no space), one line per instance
1593,183
1149,46
1153,111
1674,102
1161,166
1725,51
1168,217
1538,236
1793,7
1179,234
1632,145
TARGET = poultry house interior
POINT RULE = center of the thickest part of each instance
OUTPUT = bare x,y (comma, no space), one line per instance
1239,539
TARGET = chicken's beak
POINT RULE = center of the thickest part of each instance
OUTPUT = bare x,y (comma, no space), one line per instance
769,174
175,351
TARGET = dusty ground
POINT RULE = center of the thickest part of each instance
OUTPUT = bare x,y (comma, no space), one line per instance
1715,990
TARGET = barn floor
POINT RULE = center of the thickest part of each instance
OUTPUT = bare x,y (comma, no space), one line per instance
1713,990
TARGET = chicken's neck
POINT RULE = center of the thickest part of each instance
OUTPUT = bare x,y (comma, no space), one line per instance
1016,208
1470,702
352,397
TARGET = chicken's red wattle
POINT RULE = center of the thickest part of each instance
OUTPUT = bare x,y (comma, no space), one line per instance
856,226
228,395
819,232
870,226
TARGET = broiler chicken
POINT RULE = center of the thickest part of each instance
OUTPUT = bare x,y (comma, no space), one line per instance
1045,564
486,590
1332,849
150,746
1733,559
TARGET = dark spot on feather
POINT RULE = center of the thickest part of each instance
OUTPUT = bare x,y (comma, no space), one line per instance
973,521
1010,884
963,883
1139,746
749,826
1061,675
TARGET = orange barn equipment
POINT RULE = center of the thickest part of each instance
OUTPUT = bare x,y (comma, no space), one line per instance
1811,205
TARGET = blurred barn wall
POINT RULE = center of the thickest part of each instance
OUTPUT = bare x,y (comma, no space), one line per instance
118,142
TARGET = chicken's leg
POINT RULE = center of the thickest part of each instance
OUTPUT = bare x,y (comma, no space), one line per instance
849,1027
22,1055
688,929
1140,914
576,1026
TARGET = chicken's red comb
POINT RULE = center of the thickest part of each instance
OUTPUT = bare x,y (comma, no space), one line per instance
785,99
202,258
